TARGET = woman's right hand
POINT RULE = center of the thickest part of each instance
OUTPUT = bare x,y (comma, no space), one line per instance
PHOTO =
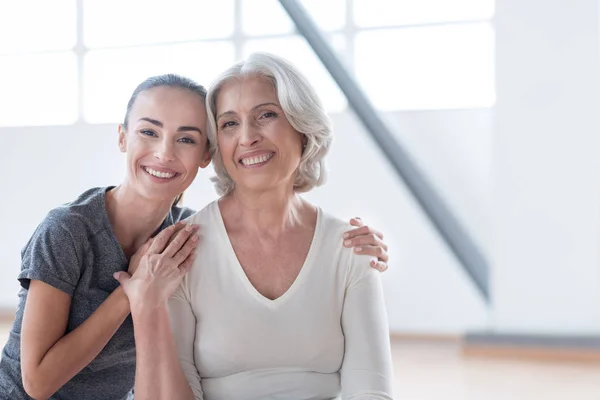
161,268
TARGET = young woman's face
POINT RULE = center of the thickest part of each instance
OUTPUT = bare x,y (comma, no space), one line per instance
165,142
259,147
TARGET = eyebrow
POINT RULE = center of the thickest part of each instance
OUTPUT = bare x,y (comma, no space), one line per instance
253,108
180,129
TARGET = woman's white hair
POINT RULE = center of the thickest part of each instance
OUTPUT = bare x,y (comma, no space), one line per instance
301,106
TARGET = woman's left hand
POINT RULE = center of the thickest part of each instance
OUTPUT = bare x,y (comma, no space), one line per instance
367,240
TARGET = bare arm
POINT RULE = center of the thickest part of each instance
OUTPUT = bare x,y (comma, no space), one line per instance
49,358
158,372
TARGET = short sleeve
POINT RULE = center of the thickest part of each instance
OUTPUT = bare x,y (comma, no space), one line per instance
53,254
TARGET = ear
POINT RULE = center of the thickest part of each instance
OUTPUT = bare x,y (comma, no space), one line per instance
122,138
206,158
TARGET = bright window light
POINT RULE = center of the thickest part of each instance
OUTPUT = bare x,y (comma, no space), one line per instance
445,67
374,13
297,51
114,23
37,25
110,76
38,89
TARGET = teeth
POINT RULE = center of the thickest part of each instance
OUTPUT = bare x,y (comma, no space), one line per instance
255,160
158,174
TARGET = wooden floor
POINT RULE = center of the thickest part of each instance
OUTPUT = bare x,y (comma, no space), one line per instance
434,370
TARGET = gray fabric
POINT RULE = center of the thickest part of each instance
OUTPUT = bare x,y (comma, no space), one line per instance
75,250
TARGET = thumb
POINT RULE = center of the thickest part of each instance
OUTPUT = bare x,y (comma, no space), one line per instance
146,246
122,277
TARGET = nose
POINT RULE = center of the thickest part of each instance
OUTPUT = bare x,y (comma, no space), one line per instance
249,135
164,151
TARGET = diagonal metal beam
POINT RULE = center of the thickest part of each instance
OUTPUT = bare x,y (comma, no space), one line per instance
456,237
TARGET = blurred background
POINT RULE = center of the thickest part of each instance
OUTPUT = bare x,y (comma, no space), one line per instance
493,103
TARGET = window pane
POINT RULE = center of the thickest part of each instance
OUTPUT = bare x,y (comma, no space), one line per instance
385,12
110,76
297,51
428,68
111,23
267,17
39,89
37,25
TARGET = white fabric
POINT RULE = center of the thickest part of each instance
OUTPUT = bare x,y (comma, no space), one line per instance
326,337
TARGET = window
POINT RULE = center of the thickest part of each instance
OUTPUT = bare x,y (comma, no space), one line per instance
111,75
297,51
377,13
406,54
441,67
38,96
117,23
39,68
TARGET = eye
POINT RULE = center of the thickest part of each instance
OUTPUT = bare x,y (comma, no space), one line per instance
268,114
228,124
187,140
147,132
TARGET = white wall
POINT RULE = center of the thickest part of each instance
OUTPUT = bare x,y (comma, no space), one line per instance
546,247
426,289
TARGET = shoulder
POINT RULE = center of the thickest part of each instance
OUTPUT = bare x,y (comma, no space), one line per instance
68,226
356,265
76,218
332,227
205,216
181,213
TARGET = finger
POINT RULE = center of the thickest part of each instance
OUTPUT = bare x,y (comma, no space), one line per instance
147,245
369,239
160,241
356,221
379,266
122,277
374,251
187,264
187,249
363,230
179,240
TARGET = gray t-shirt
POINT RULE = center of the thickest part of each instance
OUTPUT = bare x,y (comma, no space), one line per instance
75,250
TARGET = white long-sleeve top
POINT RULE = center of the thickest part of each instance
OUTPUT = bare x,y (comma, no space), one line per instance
326,337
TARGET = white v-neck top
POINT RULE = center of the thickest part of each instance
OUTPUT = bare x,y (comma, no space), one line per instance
326,337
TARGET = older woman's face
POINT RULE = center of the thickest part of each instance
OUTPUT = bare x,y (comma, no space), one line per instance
259,147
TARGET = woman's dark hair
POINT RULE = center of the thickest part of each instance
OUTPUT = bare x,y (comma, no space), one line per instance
167,80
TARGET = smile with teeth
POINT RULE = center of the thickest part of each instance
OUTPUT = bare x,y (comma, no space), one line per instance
256,160
158,174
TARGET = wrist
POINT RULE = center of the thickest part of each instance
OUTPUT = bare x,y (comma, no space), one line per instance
121,299
148,309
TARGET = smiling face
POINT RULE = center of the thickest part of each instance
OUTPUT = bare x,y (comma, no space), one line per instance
165,141
259,147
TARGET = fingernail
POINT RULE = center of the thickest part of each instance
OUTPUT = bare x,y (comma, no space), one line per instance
358,249
348,242
189,228
194,238
346,235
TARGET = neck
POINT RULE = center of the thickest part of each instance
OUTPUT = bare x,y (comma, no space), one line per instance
271,212
133,218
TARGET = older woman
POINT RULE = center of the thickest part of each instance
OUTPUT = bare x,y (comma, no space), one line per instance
274,307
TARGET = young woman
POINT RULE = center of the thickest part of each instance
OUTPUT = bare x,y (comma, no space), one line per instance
72,337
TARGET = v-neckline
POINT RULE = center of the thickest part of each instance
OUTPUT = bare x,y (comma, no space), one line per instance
239,270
